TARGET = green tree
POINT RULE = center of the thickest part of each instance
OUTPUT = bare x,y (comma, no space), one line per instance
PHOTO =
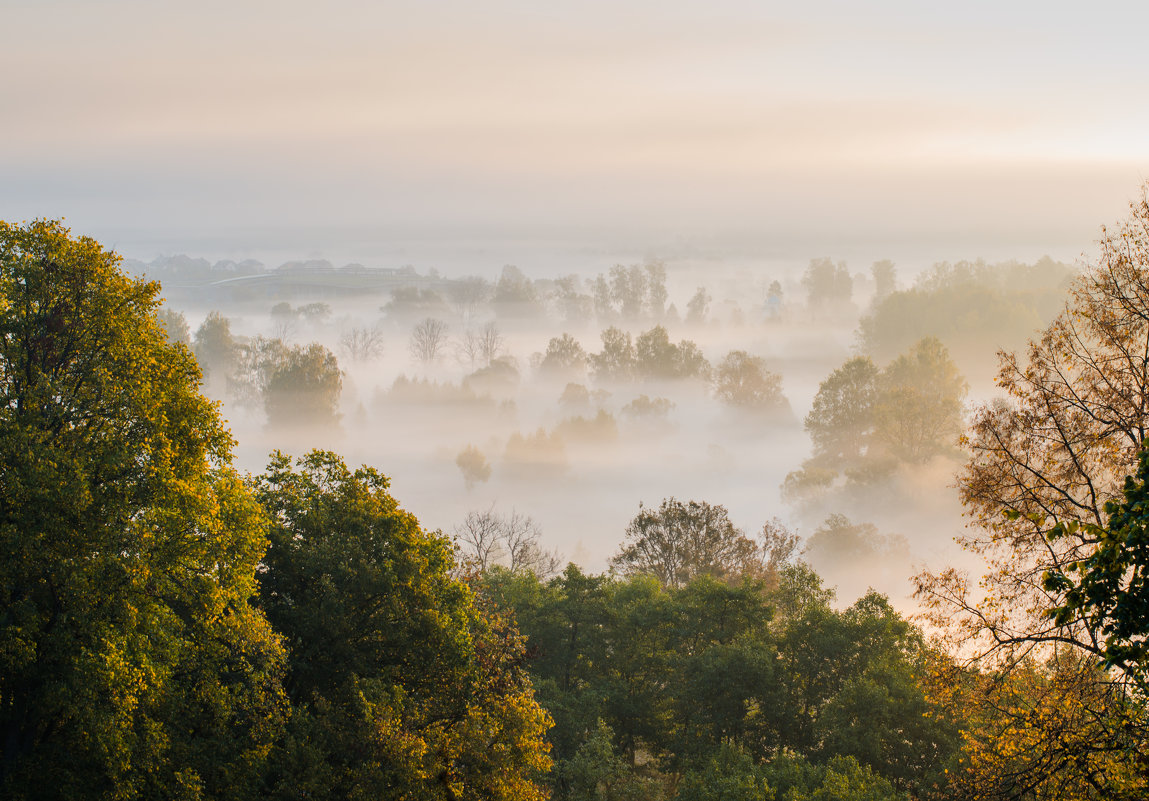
841,421
403,684
303,388
131,662
680,541
1107,589
215,348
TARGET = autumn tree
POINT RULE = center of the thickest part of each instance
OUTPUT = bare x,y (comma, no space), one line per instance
176,325
1044,463
698,307
885,277
616,361
132,664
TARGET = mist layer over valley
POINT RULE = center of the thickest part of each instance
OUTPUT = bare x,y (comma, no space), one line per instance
575,399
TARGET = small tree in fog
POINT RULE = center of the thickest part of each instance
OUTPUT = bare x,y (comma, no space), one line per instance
841,423
490,343
656,294
427,339
215,348
698,307
468,294
473,465
175,326
826,282
513,541
680,541
885,279
361,344
616,362
743,381
564,356
304,388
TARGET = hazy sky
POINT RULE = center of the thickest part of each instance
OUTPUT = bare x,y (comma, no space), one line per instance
995,124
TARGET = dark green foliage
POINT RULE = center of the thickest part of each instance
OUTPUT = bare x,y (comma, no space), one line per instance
1108,589
401,686
744,689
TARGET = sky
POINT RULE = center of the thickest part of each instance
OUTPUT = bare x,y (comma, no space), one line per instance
968,129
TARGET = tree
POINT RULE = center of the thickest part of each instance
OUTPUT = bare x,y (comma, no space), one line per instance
655,356
427,339
698,307
215,348
616,362
565,356
468,294
175,325
918,408
680,541
362,344
1108,590
131,662
303,388
885,280
628,290
1046,461
490,344
473,465
743,381
403,683
513,540
841,421
827,283
656,294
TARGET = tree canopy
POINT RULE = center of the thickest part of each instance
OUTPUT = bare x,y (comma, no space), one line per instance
131,663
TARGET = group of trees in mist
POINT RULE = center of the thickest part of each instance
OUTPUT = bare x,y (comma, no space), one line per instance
170,628
867,421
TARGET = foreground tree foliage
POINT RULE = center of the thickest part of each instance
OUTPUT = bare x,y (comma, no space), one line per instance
401,684
131,663
1043,486
715,690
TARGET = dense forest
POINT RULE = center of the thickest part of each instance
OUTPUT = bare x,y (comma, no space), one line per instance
174,627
